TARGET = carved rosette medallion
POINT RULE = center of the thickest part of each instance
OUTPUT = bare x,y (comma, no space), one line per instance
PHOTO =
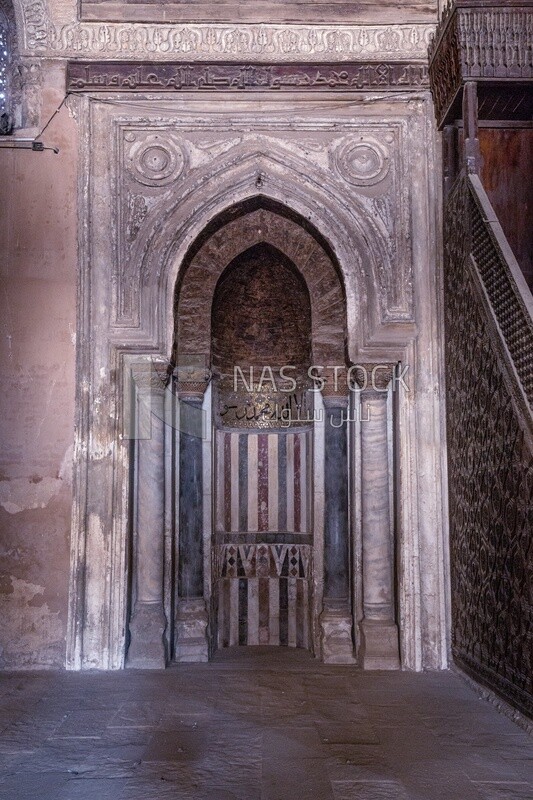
363,162
154,159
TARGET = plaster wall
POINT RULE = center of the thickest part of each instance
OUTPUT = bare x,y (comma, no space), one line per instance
37,348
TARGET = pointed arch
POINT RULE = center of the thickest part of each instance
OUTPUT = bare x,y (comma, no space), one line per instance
239,229
353,235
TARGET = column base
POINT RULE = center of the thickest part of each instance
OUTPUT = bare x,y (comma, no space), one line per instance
336,636
379,645
147,647
191,631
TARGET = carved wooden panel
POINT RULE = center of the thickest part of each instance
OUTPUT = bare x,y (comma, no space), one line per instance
490,484
509,307
507,166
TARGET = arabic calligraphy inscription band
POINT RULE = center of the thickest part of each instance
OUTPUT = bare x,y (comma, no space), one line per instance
83,76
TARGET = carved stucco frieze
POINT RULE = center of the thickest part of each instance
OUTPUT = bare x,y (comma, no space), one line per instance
27,83
24,75
48,31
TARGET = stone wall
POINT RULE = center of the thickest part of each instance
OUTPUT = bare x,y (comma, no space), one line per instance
261,314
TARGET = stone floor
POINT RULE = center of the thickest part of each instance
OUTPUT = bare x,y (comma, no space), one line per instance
256,724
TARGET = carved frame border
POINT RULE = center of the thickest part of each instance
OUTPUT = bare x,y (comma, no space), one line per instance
98,593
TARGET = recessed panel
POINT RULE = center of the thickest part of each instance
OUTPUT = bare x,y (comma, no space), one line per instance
261,12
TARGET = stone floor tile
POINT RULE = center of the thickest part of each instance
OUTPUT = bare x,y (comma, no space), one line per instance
136,714
480,765
347,733
20,737
355,773
233,776
435,780
157,789
369,790
25,785
84,724
92,789
518,750
295,779
505,791
184,745
366,756
295,744
85,757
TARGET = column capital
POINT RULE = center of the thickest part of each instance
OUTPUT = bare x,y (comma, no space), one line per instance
150,374
373,377
191,379
335,400
335,384
191,390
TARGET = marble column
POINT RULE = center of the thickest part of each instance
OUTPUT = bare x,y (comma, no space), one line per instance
191,614
379,631
336,620
148,622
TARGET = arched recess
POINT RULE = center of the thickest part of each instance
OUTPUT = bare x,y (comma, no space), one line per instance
258,230
231,233
157,258
260,315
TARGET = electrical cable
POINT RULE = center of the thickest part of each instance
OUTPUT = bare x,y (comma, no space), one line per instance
34,144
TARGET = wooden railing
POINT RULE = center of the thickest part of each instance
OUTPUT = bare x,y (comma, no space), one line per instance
510,299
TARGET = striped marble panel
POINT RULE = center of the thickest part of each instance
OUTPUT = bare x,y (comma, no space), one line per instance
262,482
263,594
262,552
263,611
